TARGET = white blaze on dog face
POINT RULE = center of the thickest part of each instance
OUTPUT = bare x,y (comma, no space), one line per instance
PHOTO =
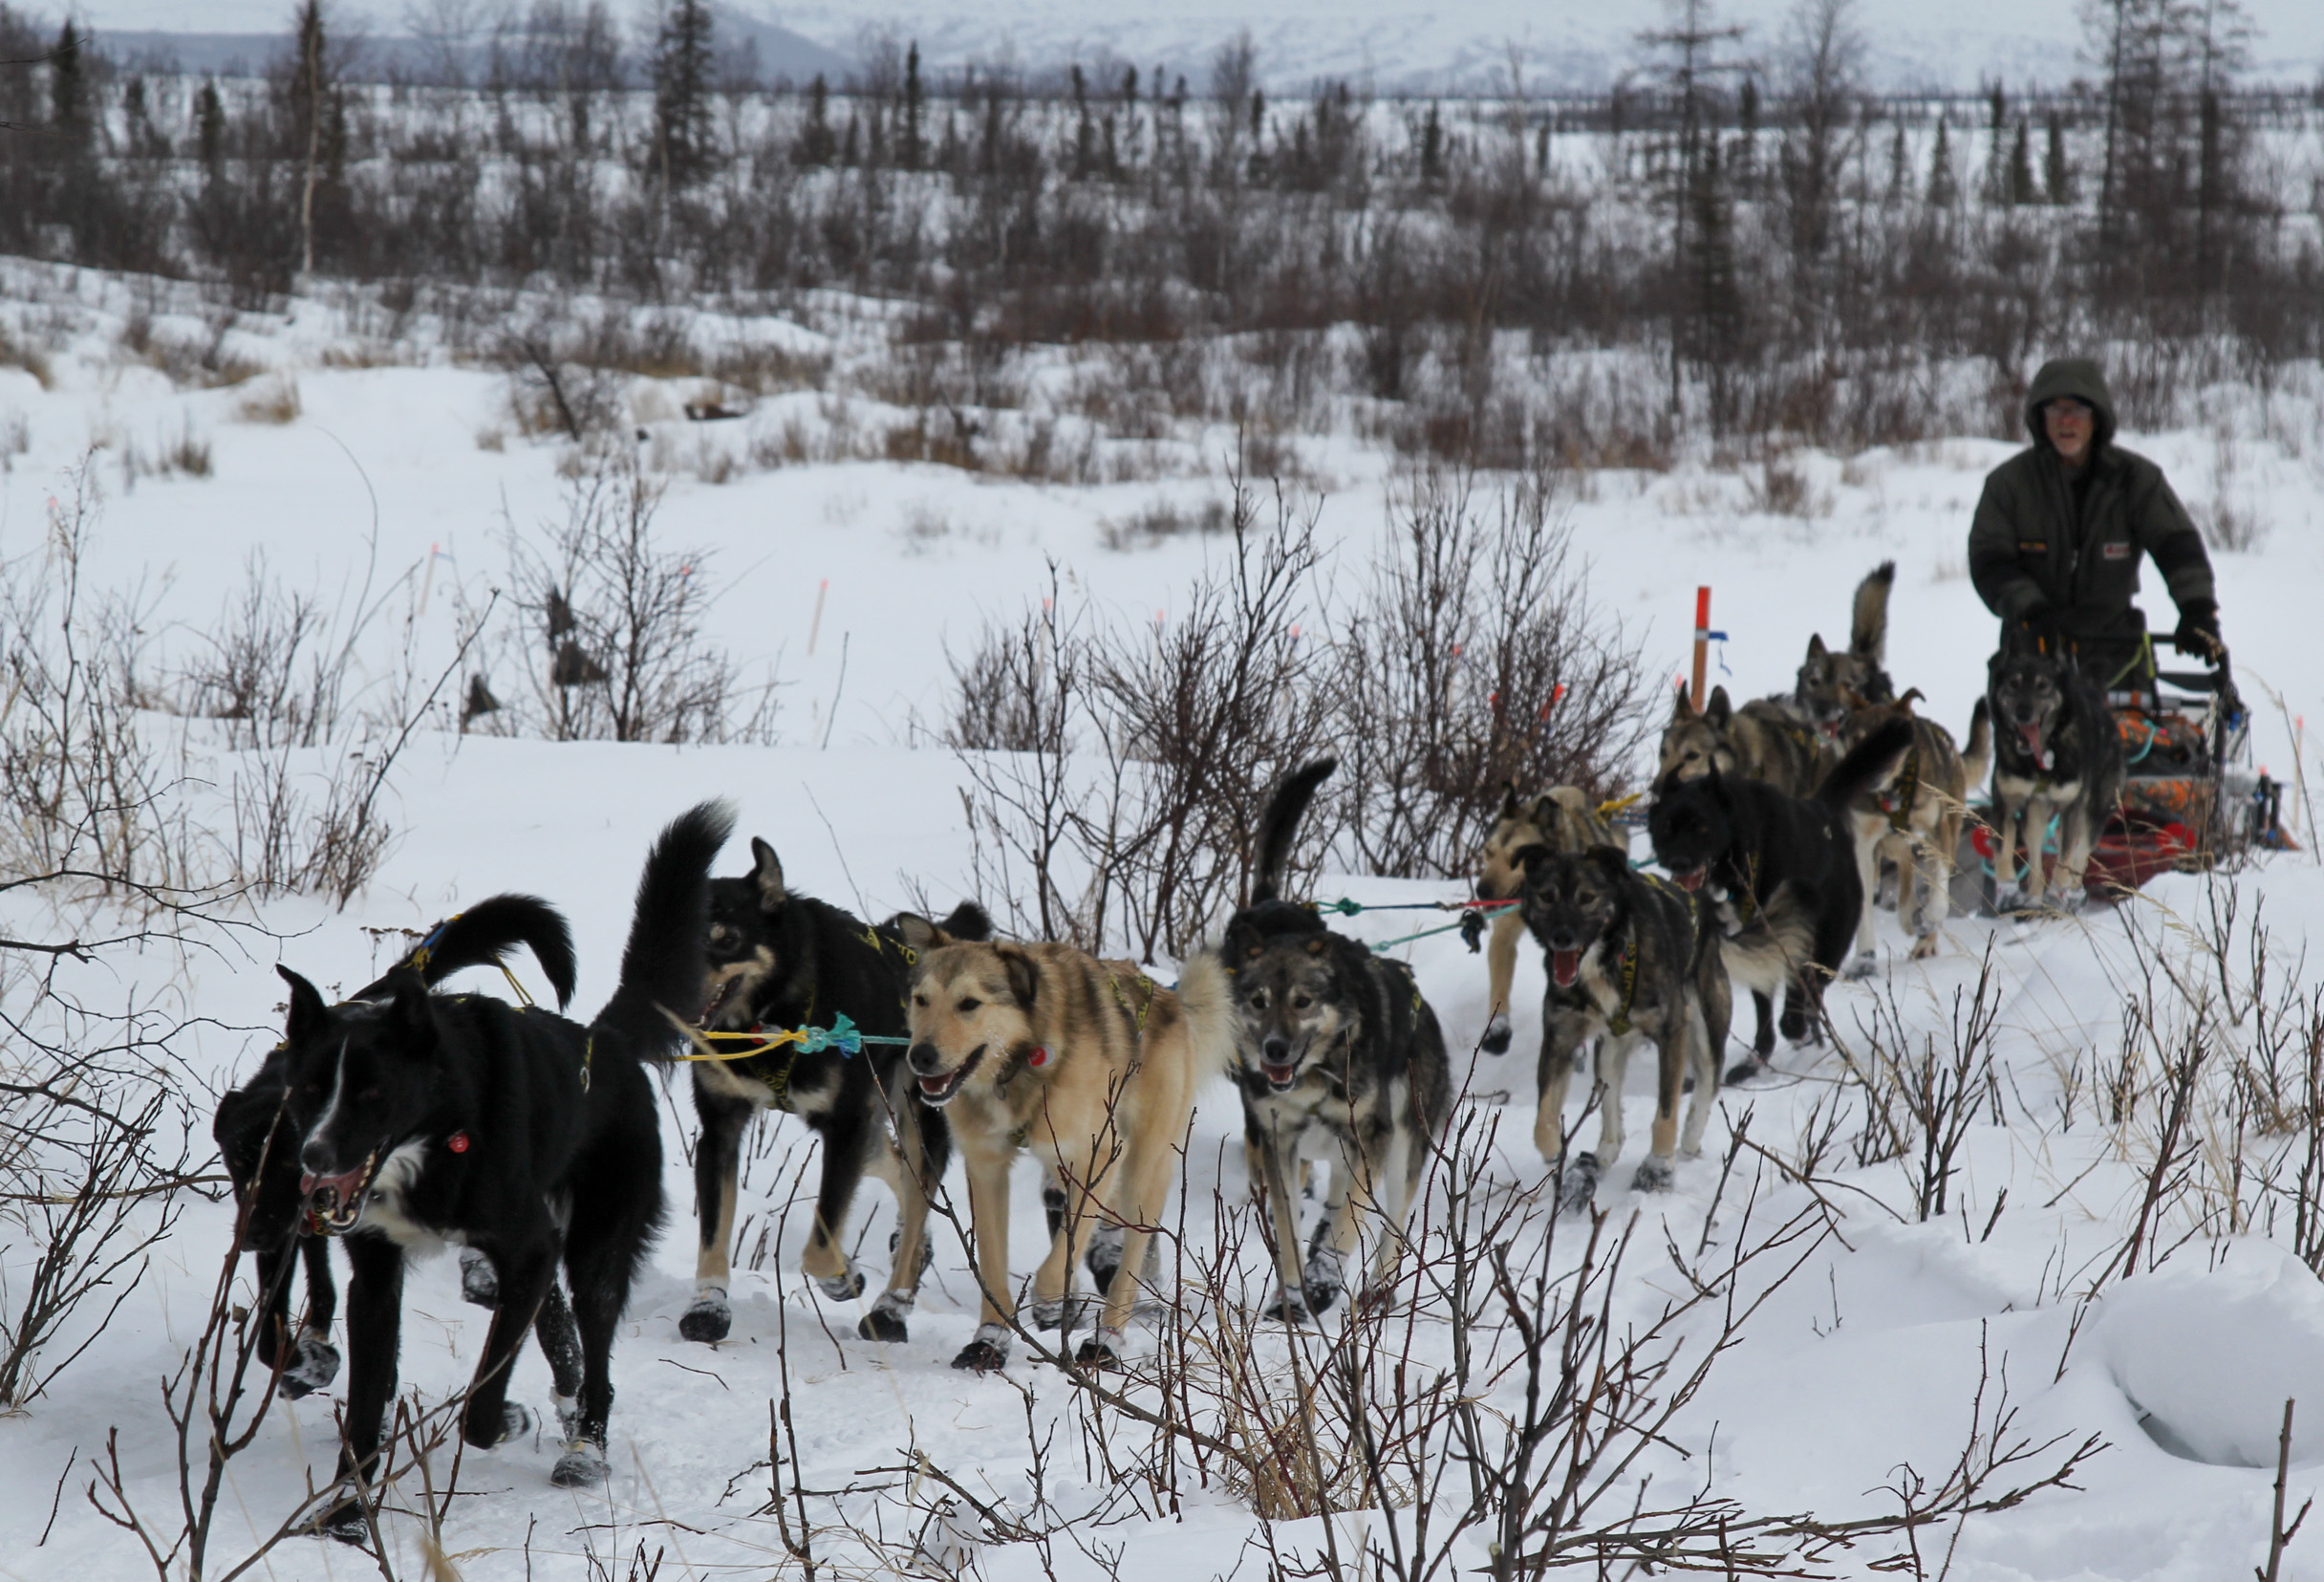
969,1013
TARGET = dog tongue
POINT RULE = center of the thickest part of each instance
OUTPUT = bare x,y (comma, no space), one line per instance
1565,965
2032,738
1692,879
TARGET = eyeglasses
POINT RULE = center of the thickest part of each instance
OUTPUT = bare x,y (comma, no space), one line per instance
2066,406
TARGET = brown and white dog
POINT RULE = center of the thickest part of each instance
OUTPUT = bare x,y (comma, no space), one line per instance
1562,818
1092,1067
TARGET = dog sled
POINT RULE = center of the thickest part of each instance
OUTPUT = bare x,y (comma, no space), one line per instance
2190,800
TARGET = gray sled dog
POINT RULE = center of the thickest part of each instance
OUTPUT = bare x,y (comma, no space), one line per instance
1562,818
2057,753
1630,958
1091,1067
1910,815
1763,740
1338,1058
1833,682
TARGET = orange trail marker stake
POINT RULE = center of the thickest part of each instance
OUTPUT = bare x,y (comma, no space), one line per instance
1702,642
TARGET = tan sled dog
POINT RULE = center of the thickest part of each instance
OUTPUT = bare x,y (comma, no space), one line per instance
1760,741
1562,818
1093,1067
1912,818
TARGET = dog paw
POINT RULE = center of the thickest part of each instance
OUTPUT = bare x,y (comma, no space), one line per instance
344,1521
1285,1308
1581,1183
314,1362
1497,1034
1655,1174
516,1421
987,1354
886,1321
479,1283
844,1286
1060,1314
1323,1279
1744,1070
583,1465
1924,947
1102,1349
1861,966
708,1319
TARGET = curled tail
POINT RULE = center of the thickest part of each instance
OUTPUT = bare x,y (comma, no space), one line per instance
1280,823
1868,622
483,935
663,965
1868,763
1204,998
1977,757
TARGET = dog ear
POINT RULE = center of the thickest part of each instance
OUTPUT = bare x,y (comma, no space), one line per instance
1817,650
1683,707
1025,978
1509,799
967,921
307,1012
918,932
769,874
412,1015
1613,860
1721,711
1526,858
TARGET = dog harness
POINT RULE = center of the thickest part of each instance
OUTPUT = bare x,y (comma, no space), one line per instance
1897,801
1627,971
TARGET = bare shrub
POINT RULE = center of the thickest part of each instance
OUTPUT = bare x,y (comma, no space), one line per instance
616,637
274,400
1474,660
1161,519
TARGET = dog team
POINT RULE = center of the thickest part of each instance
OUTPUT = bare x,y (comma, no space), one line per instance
403,1119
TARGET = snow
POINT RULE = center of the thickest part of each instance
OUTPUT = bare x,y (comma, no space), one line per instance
1869,1358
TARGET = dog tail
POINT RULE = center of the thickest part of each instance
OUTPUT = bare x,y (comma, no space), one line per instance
1867,764
1868,624
1205,997
1977,757
483,935
1279,823
663,966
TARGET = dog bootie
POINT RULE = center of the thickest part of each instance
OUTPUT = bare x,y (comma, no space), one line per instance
709,1318
1744,1071
1497,1034
886,1321
1581,1183
1285,1308
314,1362
988,1352
1105,1256
1063,1314
569,1415
928,1253
1655,1174
345,1522
1102,1349
583,1465
844,1286
479,1283
1862,966
1325,1278
515,1422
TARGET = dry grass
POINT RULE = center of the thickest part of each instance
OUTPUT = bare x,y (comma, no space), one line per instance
273,400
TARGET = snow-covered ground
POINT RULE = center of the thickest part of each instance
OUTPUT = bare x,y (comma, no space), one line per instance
1866,1360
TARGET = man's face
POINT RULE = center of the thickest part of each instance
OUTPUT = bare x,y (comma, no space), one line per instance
2069,425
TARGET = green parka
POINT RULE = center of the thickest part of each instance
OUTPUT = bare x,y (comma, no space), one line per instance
2043,537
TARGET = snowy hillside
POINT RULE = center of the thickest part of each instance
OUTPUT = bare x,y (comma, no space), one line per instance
1869,1342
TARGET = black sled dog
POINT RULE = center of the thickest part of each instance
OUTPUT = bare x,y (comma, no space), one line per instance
424,1119
261,1156
781,960
1781,875
1337,1056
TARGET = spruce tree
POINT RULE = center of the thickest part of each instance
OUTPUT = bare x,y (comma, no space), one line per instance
684,132
2058,177
1942,190
2021,166
909,152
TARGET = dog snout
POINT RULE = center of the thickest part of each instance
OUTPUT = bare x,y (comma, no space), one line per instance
1276,1049
925,1059
318,1157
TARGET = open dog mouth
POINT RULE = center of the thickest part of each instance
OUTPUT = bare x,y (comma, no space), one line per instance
334,1203
719,997
1278,1077
1690,879
1565,966
937,1091
2030,734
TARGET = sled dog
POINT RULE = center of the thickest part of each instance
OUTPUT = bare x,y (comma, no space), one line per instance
1092,1067
780,960
1337,1057
2057,753
1629,959
423,1119
1779,874
1561,818
1832,683
1910,815
261,1156
1763,740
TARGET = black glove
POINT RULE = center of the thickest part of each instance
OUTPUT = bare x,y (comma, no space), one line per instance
2198,631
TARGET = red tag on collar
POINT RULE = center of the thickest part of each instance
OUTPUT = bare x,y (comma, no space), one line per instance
458,1142
1039,1058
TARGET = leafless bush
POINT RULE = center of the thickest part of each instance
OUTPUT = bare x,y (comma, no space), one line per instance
617,646
268,669
1925,1090
1473,660
1117,772
1159,520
